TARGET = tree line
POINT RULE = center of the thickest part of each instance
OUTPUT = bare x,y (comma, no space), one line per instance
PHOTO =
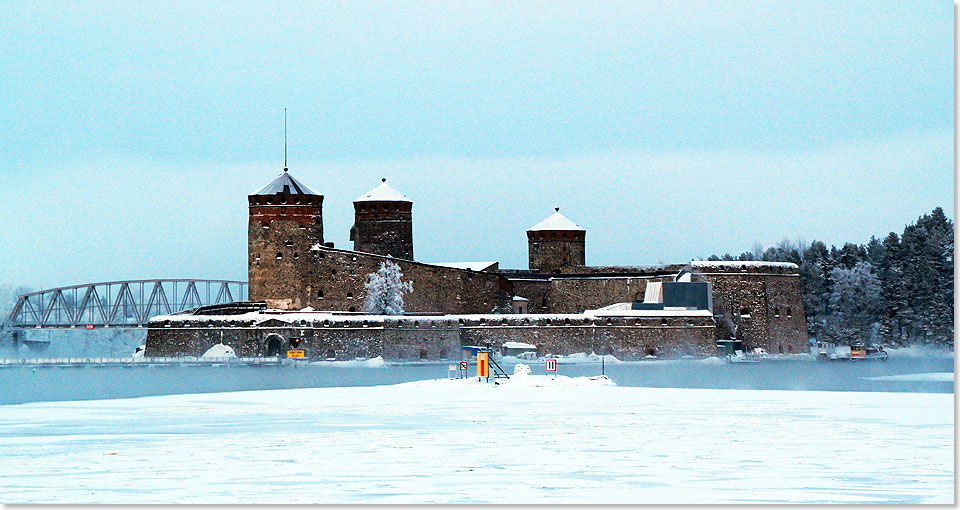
897,290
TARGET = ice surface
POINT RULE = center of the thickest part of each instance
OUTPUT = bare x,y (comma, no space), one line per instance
460,441
932,377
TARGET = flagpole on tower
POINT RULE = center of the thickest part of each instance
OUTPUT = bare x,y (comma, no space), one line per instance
284,139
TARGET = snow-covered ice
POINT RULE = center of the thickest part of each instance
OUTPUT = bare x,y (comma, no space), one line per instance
525,441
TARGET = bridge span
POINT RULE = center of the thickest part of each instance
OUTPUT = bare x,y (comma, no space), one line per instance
123,304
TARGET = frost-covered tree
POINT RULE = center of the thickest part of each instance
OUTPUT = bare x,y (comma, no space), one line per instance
855,303
385,290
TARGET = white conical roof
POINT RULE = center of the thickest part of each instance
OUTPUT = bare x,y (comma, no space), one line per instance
556,221
383,193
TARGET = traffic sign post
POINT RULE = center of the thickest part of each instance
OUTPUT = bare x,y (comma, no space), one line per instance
463,369
552,367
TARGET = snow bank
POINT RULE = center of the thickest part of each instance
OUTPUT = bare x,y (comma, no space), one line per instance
581,357
923,377
220,351
365,363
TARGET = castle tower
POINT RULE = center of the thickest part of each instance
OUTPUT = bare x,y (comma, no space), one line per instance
556,242
383,223
286,220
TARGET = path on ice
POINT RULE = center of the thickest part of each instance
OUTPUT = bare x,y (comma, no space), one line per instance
456,441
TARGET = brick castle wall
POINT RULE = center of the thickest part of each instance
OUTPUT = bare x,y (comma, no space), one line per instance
280,231
330,279
383,228
763,304
426,338
550,251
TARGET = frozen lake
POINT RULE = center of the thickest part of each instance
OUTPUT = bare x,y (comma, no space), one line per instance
465,442
20,384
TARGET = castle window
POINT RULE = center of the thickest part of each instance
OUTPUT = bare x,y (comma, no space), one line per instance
333,271
788,312
564,235
279,256
283,212
320,293
423,354
331,353
650,351
349,295
288,243
745,312
352,309
663,322
296,256
776,311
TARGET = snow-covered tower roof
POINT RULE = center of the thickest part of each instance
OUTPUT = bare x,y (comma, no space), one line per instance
285,184
383,193
556,222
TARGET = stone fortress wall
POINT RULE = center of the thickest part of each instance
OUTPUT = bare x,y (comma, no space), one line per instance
291,268
344,337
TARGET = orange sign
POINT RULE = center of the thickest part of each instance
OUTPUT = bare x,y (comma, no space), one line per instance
483,364
295,354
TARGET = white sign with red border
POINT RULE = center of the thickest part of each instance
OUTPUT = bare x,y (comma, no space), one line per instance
551,365
463,365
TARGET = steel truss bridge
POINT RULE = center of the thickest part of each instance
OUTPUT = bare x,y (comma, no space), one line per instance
123,304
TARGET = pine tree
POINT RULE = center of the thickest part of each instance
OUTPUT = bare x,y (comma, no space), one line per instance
385,290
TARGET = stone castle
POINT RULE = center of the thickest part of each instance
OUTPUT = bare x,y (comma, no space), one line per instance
305,294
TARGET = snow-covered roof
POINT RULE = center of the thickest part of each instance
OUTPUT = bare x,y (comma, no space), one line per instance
556,221
738,263
285,184
518,298
383,193
472,266
518,345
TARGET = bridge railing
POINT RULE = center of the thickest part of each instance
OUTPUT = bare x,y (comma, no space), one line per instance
129,303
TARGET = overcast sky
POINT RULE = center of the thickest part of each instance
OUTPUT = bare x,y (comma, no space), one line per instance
132,133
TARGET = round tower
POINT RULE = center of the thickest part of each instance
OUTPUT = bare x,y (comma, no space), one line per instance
383,223
286,220
555,243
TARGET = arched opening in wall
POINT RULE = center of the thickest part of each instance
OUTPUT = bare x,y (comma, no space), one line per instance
331,353
319,293
274,343
443,353
776,311
543,305
649,351
663,322
279,255
789,349
352,309
789,314
745,312
349,295
423,354
780,348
